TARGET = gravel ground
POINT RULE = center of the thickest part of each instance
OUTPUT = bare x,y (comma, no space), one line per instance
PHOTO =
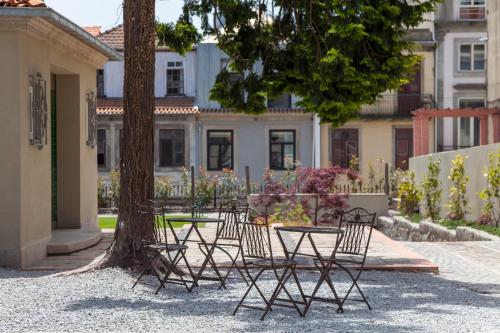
104,301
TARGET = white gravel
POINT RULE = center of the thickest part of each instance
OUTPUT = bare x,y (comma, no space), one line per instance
104,301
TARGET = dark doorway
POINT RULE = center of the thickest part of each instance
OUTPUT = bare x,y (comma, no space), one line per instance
403,147
409,98
345,145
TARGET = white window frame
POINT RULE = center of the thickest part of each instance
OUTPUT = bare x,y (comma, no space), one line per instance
472,45
471,5
177,65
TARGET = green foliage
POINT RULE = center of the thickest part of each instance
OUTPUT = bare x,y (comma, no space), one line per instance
204,185
353,177
408,192
293,214
163,187
491,194
228,185
335,55
457,205
376,175
102,199
179,37
431,188
114,191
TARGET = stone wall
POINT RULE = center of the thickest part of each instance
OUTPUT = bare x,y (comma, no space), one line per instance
400,228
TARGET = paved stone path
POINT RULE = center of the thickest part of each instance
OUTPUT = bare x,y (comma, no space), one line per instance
475,265
384,253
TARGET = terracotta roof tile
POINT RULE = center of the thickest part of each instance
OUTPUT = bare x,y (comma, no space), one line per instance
114,37
270,110
184,105
22,3
93,30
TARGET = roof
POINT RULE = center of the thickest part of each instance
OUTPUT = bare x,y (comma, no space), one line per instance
270,110
93,30
182,106
22,3
56,19
114,37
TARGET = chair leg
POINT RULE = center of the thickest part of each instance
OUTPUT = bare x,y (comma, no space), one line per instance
233,265
281,287
252,285
354,284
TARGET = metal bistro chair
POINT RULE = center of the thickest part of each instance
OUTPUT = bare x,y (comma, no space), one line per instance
256,252
162,249
358,226
232,212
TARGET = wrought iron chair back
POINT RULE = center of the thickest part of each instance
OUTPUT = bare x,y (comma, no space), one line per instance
254,235
232,212
358,226
156,215
197,210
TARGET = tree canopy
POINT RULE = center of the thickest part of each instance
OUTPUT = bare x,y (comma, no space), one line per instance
336,55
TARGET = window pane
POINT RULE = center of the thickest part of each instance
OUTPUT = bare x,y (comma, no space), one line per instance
479,57
289,158
171,64
282,136
471,103
465,2
465,57
283,101
226,157
276,157
171,147
101,147
220,137
478,2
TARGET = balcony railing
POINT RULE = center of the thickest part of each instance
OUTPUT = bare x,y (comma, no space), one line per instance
472,13
397,105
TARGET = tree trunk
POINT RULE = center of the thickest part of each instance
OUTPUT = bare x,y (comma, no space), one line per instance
137,162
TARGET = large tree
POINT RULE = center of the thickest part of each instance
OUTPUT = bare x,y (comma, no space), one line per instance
142,33
335,54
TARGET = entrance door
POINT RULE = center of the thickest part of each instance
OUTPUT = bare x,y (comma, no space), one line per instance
468,128
409,98
344,146
53,156
403,147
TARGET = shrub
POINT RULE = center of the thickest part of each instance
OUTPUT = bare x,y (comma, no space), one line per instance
163,188
353,173
114,191
102,198
491,194
431,189
290,215
408,193
376,175
228,185
457,205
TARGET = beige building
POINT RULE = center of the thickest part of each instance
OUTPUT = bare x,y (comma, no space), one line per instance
493,65
48,173
383,131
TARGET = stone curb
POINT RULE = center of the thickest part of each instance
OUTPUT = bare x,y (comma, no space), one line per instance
400,228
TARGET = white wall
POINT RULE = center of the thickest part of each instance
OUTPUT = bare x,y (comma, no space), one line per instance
475,166
114,74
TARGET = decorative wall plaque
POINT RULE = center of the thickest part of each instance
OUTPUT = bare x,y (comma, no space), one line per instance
91,119
38,110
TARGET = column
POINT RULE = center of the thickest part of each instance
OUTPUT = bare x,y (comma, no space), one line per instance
496,127
417,150
483,130
424,144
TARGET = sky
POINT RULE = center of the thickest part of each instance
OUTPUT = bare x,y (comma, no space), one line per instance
108,13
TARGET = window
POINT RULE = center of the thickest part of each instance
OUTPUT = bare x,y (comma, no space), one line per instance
100,83
101,148
282,149
171,145
283,101
175,78
344,146
468,128
220,150
472,9
472,57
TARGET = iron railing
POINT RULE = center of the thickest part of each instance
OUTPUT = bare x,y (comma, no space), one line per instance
398,105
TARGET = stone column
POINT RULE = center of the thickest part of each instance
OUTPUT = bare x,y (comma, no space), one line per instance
417,147
424,136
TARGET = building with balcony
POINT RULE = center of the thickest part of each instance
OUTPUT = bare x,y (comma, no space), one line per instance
461,35
383,131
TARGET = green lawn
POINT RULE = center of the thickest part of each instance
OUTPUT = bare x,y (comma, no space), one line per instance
110,222
450,224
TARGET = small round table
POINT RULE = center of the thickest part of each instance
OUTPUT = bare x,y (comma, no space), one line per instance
324,264
195,221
